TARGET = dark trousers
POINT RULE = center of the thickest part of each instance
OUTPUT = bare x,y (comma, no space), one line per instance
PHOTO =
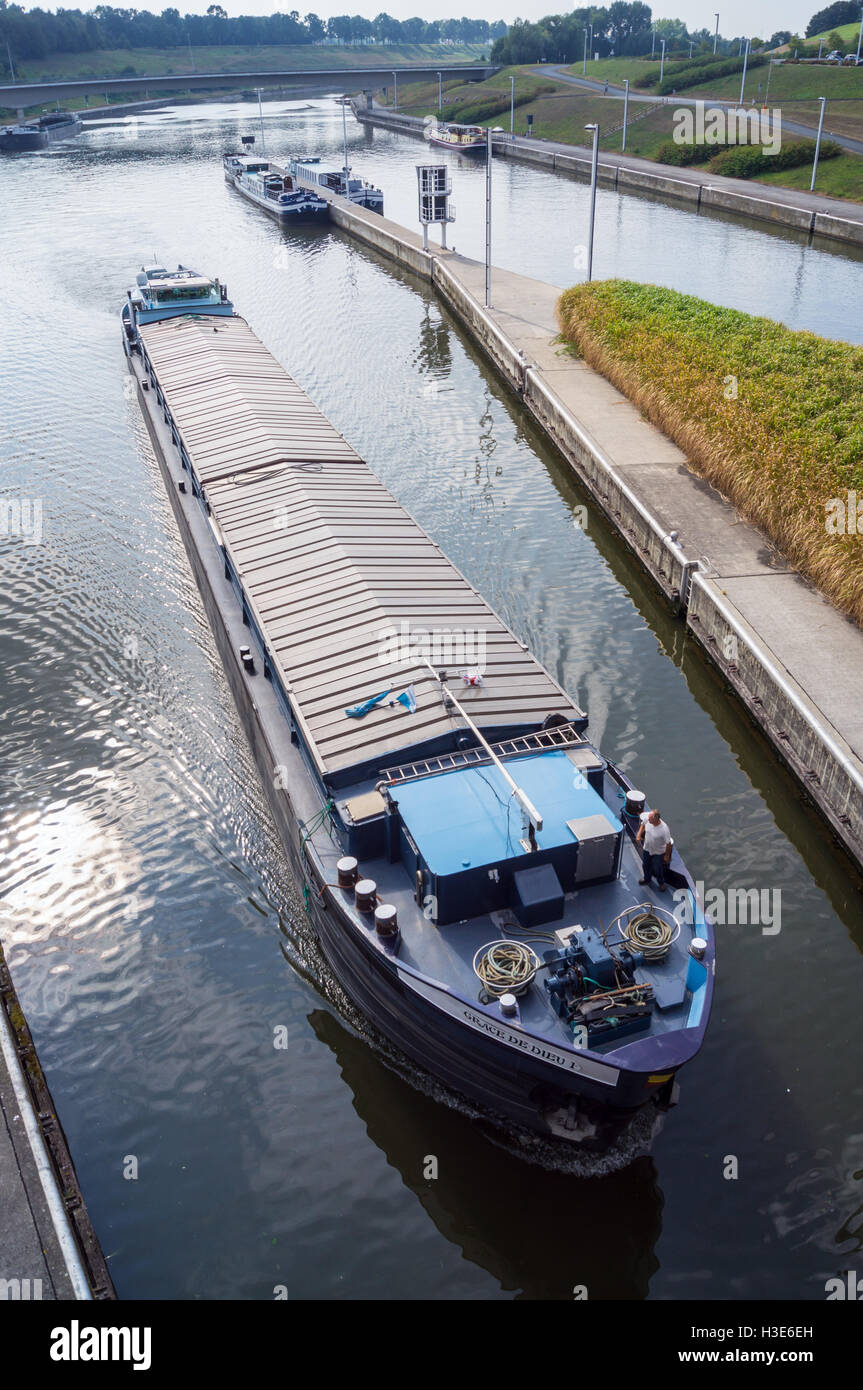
654,866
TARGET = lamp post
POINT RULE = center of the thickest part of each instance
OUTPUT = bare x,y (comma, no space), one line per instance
662,61
584,69
488,159
769,75
743,78
691,46
593,168
625,110
261,115
716,35
823,101
653,42
820,46
440,93
395,91
860,36
512,106
345,139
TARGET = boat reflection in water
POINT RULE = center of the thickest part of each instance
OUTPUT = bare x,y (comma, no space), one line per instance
541,1234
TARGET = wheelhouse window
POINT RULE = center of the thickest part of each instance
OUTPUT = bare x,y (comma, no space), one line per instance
183,293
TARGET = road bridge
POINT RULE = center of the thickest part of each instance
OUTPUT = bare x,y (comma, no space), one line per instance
21,95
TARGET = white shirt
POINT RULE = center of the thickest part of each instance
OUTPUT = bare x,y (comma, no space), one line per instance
656,837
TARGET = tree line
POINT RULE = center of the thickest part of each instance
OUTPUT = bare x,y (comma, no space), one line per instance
621,29
833,17
37,33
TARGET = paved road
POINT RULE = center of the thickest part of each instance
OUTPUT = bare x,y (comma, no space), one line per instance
597,89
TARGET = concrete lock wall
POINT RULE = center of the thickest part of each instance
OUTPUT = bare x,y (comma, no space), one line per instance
814,751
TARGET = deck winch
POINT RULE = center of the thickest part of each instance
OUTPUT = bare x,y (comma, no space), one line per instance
592,989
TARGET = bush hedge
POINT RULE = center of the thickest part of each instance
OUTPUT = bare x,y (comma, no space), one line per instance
783,449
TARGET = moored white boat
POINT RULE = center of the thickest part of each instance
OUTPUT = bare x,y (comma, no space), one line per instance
309,172
274,189
465,139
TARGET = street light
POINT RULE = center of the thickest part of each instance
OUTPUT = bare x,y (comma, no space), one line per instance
691,46
593,168
743,79
512,106
769,75
662,61
625,111
860,36
823,101
488,159
653,42
820,46
584,69
261,114
716,35
440,93
395,91
345,139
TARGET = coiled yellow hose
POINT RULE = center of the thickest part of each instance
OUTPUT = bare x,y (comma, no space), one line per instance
505,967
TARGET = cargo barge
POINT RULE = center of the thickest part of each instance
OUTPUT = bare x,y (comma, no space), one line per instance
468,858
38,134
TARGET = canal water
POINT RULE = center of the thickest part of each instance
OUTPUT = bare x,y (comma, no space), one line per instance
155,935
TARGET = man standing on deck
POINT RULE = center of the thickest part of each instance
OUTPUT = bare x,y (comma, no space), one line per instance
655,839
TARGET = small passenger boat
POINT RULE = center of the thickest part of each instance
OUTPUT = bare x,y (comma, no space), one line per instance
466,139
274,189
468,858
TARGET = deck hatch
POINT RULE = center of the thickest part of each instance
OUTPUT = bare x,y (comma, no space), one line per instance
295,504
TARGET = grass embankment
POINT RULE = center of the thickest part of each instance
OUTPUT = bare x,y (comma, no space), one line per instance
839,177
791,440
166,62
788,81
847,32
468,102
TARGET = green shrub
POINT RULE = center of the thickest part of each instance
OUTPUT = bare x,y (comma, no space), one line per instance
480,109
694,73
682,155
788,442
750,161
